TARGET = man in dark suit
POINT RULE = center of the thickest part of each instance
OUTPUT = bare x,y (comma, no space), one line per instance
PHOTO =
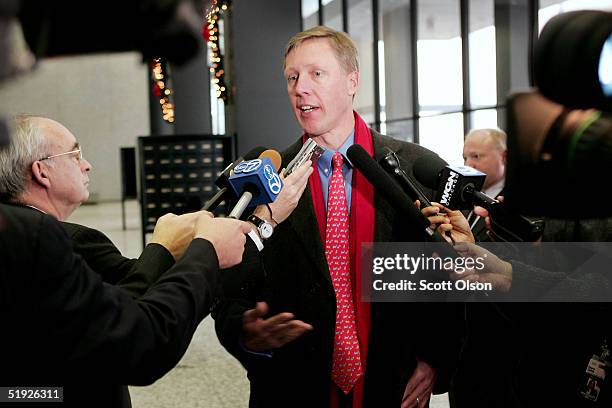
65,327
43,168
485,150
42,171
342,351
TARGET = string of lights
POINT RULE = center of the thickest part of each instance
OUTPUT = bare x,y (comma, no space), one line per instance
161,88
212,36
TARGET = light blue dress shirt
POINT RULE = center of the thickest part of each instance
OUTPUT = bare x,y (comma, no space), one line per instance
324,165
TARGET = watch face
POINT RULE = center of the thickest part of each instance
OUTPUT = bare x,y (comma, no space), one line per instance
266,230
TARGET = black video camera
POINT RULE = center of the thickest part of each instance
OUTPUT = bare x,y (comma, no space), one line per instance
560,135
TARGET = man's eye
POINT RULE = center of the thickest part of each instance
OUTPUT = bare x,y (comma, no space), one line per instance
292,78
318,73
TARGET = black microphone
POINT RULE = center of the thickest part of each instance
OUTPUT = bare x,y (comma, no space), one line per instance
223,180
384,184
454,186
392,164
458,187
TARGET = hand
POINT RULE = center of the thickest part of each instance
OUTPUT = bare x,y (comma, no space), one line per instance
288,198
452,224
261,334
420,386
175,232
496,271
482,212
227,235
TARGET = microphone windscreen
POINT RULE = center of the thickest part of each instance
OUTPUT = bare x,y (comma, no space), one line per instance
274,157
384,184
427,169
254,153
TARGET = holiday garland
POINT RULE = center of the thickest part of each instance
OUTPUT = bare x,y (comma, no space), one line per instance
212,36
161,88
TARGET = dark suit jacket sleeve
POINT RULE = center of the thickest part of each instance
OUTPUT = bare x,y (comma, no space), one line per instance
134,276
241,288
67,322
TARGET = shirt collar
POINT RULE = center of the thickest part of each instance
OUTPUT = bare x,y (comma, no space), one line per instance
495,189
325,161
36,208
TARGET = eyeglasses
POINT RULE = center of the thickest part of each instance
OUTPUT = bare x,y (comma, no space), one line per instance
79,151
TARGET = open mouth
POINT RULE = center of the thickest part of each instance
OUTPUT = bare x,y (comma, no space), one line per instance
307,108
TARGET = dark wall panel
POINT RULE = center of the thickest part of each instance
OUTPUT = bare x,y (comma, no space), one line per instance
262,115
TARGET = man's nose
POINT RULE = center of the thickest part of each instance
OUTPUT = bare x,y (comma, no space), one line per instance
85,165
303,85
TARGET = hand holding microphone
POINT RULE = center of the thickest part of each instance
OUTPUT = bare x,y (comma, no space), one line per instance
496,271
458,188
452,224
226,235
222,181
384,184
287,200
256,182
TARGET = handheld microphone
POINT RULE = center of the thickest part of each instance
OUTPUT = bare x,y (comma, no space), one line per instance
384,184
255,182
274,157
454,186
223,180
459,189
391,163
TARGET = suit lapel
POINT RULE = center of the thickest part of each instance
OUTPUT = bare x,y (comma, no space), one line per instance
303,220
383,219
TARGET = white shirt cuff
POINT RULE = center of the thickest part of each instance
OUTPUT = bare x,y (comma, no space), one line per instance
255,238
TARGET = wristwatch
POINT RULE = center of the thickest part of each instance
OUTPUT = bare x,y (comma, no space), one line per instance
264,227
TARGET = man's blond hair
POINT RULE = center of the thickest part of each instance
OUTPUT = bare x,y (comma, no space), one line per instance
343,46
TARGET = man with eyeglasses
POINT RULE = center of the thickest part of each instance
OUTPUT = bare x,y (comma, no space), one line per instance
44,169
63,326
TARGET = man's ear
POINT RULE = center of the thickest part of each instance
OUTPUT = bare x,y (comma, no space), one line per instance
353,82
40,174
505,156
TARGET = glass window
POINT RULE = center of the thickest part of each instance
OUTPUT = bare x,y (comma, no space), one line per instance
401,129
360,30
310,13
550,8
394,60
217,113
485,118
332,14
443,134
482,57
439,57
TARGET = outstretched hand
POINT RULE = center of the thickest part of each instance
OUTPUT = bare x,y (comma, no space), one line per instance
262,334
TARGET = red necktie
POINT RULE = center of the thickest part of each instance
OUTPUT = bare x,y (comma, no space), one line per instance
346,368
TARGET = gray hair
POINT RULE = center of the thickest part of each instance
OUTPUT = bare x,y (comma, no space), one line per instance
495,134
27,145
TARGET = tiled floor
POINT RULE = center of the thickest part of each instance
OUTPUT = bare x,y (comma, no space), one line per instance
207,376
